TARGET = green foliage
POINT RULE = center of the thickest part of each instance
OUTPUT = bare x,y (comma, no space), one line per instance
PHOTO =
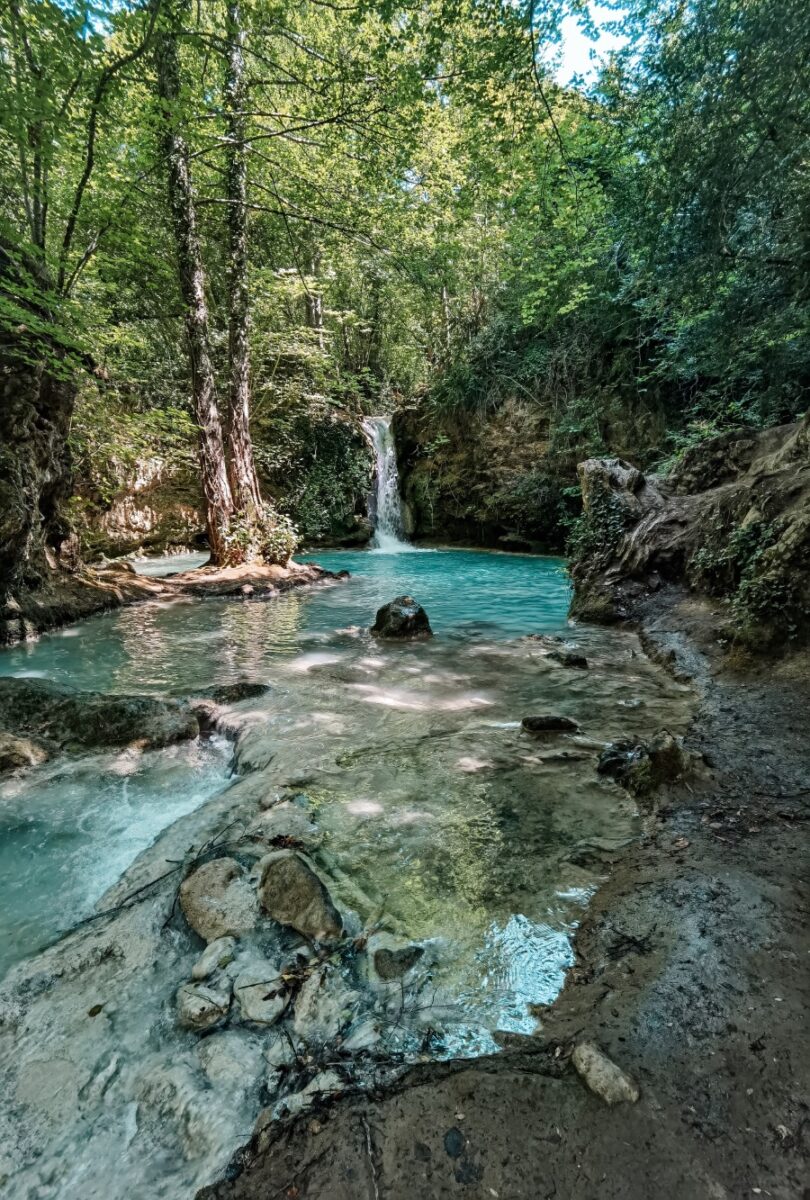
731,558
432,218
110,443
269,536
597,533
535,506
313,458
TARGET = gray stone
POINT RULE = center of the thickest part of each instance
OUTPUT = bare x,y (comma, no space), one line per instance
288,821
602,1076
200,1007
260,993
231,1060
218,901
323,1006
292,894
363,1035
391,958
217,954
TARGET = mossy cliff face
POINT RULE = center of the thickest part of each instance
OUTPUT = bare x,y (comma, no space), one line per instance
483,480
731,520
138,489
507,477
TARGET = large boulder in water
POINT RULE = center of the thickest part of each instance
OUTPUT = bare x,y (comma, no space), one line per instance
66,718
292,893
402,618
218,901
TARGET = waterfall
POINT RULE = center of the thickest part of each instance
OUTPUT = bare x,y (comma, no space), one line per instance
387,506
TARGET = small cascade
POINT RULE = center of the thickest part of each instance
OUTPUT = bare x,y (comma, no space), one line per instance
387,506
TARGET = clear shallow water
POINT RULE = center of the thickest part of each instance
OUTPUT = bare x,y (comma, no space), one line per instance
69,830
187,644
437,811
430,795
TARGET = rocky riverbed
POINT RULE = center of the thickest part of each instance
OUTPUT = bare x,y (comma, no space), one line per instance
691,974
343,910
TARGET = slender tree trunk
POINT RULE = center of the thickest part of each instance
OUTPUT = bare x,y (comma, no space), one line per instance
241,466
216,488
314,302
446,321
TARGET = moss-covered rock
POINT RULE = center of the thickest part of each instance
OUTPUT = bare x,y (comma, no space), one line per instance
732,521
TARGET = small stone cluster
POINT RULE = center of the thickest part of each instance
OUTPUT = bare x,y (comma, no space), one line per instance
281,956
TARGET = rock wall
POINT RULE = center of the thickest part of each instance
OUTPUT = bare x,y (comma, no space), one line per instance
507,477
732,520
480,480
157,507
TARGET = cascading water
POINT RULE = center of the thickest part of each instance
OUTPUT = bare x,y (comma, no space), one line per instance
387,508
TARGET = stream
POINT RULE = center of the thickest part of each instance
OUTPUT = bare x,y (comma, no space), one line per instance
476,840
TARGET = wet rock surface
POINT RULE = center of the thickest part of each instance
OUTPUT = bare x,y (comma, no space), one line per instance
690,973
200,1007
260,992
292,893
217,954
218,901
402,619
69,719
549,723
642,767
17,753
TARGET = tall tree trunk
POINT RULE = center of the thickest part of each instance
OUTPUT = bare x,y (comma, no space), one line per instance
314,302
241,466
216,488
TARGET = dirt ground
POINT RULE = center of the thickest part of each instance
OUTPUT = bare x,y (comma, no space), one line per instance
692,973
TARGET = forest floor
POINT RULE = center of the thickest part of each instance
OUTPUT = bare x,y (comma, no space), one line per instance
692,973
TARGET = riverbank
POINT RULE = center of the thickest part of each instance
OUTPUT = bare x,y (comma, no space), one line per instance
691,974
73,597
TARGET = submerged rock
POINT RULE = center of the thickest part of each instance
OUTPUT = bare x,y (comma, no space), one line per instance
602,1076
233,693
70,719
570,658
216,955
549,723
260,993
231,1059
285,822
18,753
293,894
217,900
323,1006
200,1007
402,618
390,958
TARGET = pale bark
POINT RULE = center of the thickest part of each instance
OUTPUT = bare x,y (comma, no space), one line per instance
241,466
314,303
216,488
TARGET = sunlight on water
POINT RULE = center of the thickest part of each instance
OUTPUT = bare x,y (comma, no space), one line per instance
431,797
440,816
